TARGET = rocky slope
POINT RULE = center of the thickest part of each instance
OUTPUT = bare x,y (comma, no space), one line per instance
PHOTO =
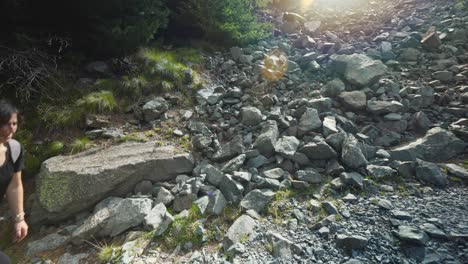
338,139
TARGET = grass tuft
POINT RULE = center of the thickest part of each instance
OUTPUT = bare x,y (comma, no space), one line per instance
79,145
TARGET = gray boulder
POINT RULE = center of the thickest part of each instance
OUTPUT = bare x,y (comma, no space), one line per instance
359,69
412,235
257,199
49,242
309,175
436,146
430,173
377,172
457,171
67,185
318,151
213,203
287,146
229,150
234,164
384,107
333,88
153,109
353,242
266,141
158,219
231,189
329,126
114,216
354,100
283,248
243,227
351,154
164,196
309,121
251,116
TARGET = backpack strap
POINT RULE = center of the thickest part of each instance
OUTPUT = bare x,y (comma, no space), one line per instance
15,148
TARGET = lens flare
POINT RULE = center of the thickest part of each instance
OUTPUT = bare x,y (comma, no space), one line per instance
275,65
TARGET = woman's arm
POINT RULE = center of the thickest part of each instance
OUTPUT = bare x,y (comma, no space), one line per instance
15,200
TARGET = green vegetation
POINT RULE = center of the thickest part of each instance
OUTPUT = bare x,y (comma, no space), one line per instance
132,137
79,145
464,164
183,230
107,253
97,102
231,22
116,27
67,115
462,4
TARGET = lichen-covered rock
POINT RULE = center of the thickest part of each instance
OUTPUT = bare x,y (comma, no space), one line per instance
67,185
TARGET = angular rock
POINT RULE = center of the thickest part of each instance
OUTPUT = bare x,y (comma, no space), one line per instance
234,164
67,185
309,175
377,172
333,88
266,141
329,208
437,145
430,173
243,227
287,146
351,154
158,219
309,121
133,247
354,100
251,116
353,178
213,203
257,199
231,189
329,126
359,69
276,174
433,231
213,175
412,235
113,218
353,242
47,243
282,248
318,151
154,109
230,150
457,171
384,107
183,201
164,196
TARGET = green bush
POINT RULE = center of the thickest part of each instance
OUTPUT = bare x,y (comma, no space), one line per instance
117,27
231,21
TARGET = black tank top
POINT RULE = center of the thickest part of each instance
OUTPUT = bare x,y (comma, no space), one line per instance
8,168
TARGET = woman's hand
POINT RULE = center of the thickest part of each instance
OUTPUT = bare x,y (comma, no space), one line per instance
21,231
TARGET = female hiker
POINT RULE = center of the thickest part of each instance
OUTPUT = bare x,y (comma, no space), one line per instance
11,165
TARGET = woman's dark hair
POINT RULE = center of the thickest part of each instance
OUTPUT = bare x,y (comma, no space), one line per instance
6,110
